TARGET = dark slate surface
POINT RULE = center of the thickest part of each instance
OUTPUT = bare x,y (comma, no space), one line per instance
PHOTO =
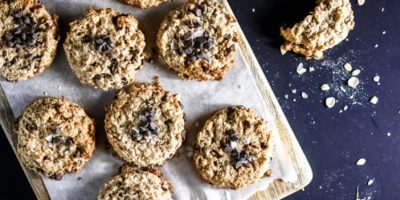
332,141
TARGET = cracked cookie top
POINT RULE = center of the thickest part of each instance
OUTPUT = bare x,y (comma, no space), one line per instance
198,40
234,148
55,136
145,124
105,48
28,39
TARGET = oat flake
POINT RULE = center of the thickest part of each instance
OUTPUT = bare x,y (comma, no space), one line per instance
325,87
330,102
374,100
353,82
361,162
348,67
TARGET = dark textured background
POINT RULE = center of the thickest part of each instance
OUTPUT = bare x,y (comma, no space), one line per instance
332,141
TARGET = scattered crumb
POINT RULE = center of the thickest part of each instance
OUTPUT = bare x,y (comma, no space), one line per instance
286,96
300,69
371,181
361,162
253,10
294,91
345,107
361,2
376,45
374,100
304,95
45,93
389,134
330,102
294,100
325,87
353,82
383,9
356,72
383,32
348,67
311,69
377,78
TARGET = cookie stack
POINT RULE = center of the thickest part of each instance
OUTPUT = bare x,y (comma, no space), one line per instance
145,124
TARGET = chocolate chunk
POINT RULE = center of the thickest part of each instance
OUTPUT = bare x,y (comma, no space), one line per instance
69,141
147,125
56,139
114,66
187,36
104,43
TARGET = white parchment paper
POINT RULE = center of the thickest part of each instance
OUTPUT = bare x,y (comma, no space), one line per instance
200,99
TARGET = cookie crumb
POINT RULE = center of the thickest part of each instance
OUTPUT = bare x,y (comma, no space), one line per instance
389,134
325,87
311,69
294,91
304,95
300,69
383,32
348,67
353,82
376,45
361,162
374,100
253,10
356,72
371,181
345,108
377,78
286,96
330,102
361,2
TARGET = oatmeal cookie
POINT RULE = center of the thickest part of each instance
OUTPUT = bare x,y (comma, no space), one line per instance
234,148
55,136
132,183
198,40
145,3
28,39
145,124
105,48
325,27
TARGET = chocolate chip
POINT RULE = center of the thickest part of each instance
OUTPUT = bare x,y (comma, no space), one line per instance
69,141
147,125
23,34
56,177
188,51
113,66
86,39
104,43
187,36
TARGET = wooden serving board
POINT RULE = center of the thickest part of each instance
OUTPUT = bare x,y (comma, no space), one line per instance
277,189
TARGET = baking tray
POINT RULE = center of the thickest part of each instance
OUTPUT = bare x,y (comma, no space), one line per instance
277,189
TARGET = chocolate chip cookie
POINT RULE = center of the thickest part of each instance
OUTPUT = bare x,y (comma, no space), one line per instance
28,39
145,124
105,48
145,3
55,136
234,148
198,40
133,183
325,27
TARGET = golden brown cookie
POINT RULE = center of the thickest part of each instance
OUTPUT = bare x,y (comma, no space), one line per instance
55,136
325,27
198,40
28,39
145,124
144,3
234,148
105,48
137,184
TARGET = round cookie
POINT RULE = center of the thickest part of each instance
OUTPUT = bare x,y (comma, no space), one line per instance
198,40
55,136
132,183
145,124
105,48
234,148
145,3
28,39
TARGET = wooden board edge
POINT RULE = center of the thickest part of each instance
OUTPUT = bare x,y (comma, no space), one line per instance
278,189
7,122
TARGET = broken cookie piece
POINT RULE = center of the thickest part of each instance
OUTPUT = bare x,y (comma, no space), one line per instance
325,27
